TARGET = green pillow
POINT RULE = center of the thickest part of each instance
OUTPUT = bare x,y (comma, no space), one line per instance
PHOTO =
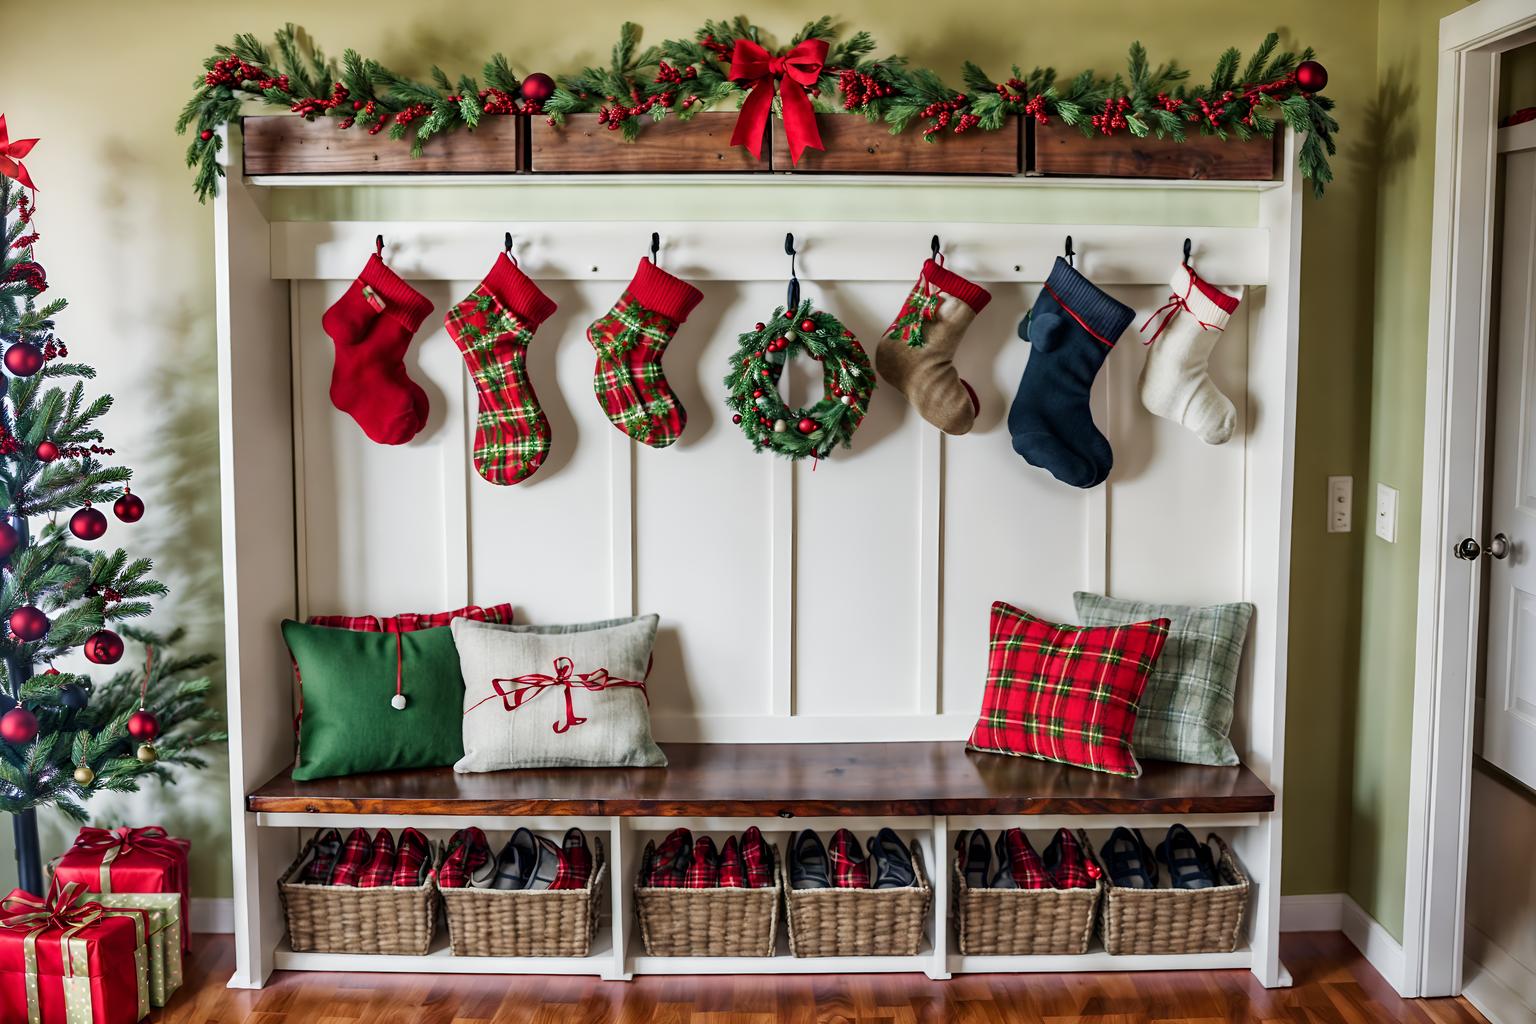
347,723
1186,709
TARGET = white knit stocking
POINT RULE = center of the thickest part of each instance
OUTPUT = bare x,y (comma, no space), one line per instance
1176,380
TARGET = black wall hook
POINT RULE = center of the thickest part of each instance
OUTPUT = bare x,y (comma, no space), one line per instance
1070,252
1188,245
934,246
655,247
506,243
792,298
378,245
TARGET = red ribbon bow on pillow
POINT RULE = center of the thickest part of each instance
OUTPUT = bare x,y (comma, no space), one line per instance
525,688
11,154
755,68
151,839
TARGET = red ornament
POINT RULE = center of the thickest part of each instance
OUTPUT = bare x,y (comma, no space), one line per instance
129,508
18,726
28,623
537,87
88,523
47,451
104,647
1311,76
143,725
10,539
807,425
23,359
205,134
807,325
736,418
759,326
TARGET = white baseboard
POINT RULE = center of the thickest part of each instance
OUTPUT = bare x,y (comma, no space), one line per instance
1502,988
1314,912
213,915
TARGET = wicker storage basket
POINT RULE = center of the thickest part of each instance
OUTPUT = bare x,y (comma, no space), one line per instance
397,920
504,922
1026,922
710,922
1179,920
860,922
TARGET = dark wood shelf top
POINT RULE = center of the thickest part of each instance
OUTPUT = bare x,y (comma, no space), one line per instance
786,779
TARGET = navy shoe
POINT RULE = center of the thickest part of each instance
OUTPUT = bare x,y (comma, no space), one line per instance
892,862
1128,860
809,867
975,858
1002,877
1188,860
528,861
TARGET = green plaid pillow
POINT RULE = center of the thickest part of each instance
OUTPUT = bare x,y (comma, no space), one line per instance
1186,710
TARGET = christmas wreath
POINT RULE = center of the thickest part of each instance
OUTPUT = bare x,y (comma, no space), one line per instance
758,364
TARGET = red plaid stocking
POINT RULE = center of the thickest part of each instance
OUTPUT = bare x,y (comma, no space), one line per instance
381,863
850,865
371,326
630,339
493,327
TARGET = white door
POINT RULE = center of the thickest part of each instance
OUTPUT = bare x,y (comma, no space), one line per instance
1508,550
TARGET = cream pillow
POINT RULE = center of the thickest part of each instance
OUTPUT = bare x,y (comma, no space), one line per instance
556,696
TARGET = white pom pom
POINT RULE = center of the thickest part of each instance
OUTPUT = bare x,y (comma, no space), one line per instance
853,371
397,702
847,399
779,426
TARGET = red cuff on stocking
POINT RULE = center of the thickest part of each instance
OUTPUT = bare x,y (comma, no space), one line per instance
660,292
973,295
516,291
402,302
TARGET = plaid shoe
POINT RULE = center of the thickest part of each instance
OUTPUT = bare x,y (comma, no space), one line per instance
733,872
574,868
413,859
850,866
1068,863
380,869
468,861
704,868
667,866
1023,864
757,859
322,861
355,856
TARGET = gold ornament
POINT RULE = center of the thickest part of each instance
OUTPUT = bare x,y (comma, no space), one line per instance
84,776
147,753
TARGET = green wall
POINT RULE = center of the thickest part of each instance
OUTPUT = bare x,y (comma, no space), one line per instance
126,241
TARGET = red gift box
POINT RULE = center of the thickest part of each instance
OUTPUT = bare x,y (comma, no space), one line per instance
65,960
130,860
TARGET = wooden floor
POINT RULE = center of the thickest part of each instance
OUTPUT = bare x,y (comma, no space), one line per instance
1333,986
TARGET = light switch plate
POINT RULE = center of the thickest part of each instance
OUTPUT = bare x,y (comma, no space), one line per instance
1341,502
1386,513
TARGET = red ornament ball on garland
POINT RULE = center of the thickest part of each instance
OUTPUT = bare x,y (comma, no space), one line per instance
47,451
736,418
1311,76
807,326
205,134
129,508
104,647
88,523
807,425
18,726
28,623
23,359
10,539
537,87
143,725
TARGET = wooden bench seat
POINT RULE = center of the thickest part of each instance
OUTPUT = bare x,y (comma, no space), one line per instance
804,779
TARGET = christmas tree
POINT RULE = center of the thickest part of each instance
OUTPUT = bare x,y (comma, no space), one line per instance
62,738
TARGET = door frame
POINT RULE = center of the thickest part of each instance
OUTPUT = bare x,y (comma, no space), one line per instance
1455,452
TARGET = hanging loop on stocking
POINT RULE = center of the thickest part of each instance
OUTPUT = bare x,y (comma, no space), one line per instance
792,296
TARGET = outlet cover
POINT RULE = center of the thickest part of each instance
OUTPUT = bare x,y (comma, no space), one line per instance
1341,501
1386,513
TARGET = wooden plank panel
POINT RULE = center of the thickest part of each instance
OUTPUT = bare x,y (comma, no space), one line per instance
701,145
285,144
1063,149
793,779
855,145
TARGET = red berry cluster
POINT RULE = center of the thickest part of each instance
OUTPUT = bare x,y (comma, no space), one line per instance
722,51
76,451
107,594
860,90
666,74
24,209
1113,118
499,101
942,112
25,240
1015,93
615,115
55,349
28,273
234,72
310,107
8,443
412,112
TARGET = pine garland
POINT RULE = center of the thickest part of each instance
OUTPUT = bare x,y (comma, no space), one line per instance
81,590
681,77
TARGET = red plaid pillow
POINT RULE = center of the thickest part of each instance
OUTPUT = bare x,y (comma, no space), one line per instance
1066,693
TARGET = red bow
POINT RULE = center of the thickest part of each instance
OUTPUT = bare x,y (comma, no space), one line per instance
11,154
65,908
752,66
151,839
1173,307
530,686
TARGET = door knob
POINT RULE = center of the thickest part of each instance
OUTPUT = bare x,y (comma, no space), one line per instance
1469,550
